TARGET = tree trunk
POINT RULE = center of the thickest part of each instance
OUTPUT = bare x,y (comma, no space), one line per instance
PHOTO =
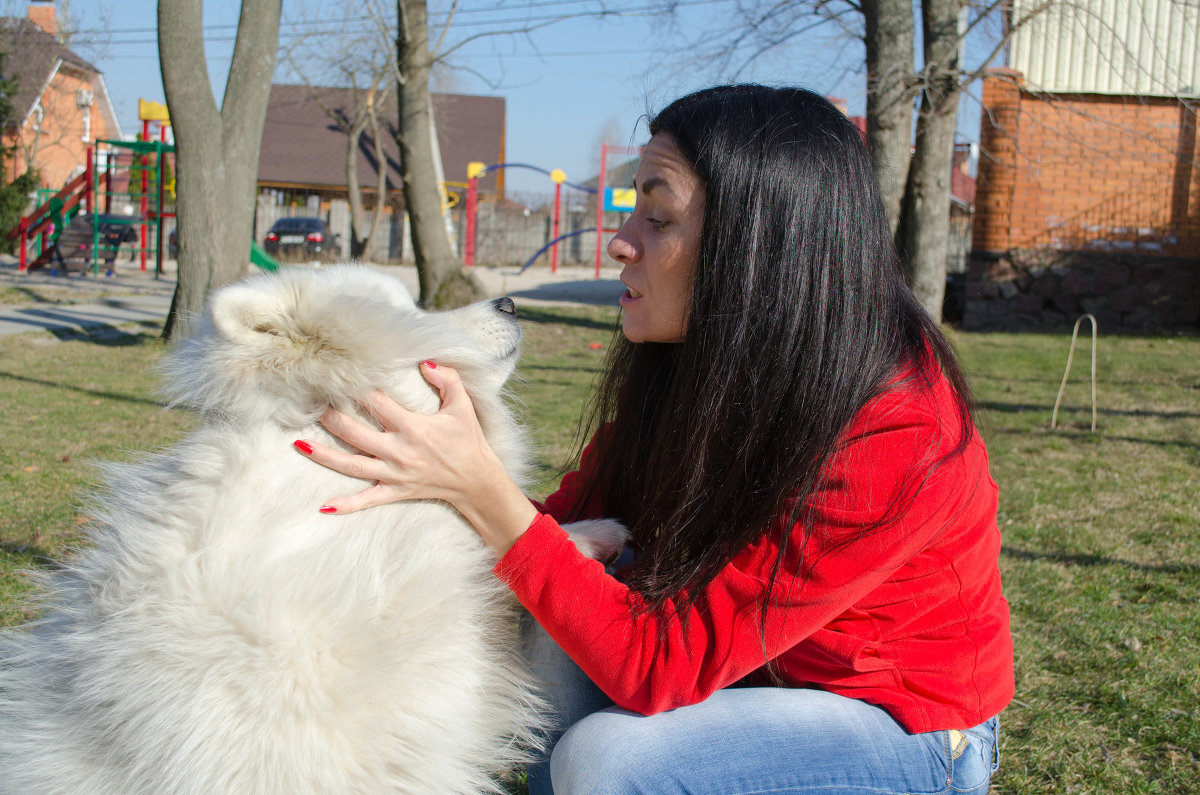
216,151
381,178
435,261
353,190
925,226
890,94
361,240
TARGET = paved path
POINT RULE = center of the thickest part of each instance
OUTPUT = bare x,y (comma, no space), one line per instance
70,304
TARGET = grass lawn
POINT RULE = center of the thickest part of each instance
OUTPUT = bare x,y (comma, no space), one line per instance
1101,557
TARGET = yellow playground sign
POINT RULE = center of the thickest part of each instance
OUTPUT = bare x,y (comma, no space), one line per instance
153,111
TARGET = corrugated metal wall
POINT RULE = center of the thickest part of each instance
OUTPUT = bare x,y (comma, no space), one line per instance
1136,47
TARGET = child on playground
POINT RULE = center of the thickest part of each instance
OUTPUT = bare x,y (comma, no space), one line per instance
812,599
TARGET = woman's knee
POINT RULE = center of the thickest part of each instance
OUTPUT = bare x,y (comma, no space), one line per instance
608,752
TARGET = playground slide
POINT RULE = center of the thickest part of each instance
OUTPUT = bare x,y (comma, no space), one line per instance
260,257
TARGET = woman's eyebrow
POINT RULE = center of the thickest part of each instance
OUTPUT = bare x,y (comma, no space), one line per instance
650,184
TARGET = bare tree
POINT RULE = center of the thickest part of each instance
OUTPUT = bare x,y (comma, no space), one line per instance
366,106
888,36
360,64
216,150
924,232
916,189
436,263
443,282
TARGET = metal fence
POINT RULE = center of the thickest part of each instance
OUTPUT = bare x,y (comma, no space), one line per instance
508,233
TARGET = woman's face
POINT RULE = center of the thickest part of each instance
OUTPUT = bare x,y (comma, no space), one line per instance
659,245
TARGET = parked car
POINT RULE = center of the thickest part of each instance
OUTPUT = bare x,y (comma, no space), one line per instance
302,239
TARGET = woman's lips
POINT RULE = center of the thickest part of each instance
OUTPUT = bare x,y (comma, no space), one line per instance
629,296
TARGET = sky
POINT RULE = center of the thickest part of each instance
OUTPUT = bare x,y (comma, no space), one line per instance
569,85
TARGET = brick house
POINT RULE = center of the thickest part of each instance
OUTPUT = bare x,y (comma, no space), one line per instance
61,106
1088,196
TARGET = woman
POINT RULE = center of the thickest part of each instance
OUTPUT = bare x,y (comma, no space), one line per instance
813,601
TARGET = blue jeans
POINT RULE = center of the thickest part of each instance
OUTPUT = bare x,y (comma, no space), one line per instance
745,740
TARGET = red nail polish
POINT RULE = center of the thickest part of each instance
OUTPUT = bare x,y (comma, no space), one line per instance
429,364
328,509
303,447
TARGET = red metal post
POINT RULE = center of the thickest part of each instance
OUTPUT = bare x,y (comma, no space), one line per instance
89,198
108,171
600,205
554,231
469,232
144,204
23,226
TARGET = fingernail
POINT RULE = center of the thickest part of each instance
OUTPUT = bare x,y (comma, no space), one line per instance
429,364
303,447
328,509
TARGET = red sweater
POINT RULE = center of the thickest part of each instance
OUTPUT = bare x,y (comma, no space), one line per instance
909,617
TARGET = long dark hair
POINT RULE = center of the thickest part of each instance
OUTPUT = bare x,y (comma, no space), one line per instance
799,316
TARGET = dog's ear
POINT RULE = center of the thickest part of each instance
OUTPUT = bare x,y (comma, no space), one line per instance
244,313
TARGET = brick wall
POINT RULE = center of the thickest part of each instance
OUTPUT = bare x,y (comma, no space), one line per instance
1084,185
58,144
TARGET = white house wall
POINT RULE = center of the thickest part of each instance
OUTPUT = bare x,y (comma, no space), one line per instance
1130,47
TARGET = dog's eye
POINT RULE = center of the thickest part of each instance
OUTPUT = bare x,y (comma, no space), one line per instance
264,329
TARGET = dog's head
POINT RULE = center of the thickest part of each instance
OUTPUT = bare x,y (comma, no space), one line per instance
282,347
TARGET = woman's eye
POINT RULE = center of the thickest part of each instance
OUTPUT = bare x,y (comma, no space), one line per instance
657,224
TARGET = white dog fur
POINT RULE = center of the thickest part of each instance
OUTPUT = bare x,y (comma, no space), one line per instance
219,635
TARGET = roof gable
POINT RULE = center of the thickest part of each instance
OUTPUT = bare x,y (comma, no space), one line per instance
31,57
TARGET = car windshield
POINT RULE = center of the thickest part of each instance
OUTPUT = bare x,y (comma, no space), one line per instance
297,225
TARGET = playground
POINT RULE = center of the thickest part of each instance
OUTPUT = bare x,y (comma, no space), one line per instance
611,203
122,202
123,199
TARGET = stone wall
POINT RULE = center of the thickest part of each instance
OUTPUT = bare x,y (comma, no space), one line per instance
1050,289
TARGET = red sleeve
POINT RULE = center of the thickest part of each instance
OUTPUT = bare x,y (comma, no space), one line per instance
648,667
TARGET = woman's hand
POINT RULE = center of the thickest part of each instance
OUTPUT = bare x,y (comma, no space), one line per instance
442,456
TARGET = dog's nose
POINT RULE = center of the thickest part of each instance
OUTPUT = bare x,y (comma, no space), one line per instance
506,305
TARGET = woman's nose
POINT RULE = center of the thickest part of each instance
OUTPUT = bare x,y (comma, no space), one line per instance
621,247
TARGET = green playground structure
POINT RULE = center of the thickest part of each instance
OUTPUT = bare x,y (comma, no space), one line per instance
260,257
76,227
123,195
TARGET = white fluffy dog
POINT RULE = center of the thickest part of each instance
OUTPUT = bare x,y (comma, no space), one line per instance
221,636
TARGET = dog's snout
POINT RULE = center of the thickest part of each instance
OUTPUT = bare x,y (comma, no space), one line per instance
505,305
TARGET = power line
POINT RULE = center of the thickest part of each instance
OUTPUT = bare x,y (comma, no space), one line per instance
340,25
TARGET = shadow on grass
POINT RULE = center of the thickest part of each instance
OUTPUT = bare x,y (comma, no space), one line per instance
33,295
112,336
30,555
551,368
550,315
80,390
1019,408
1098,560
1080,432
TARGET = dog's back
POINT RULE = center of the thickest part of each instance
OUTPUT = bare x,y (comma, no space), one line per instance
222,636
